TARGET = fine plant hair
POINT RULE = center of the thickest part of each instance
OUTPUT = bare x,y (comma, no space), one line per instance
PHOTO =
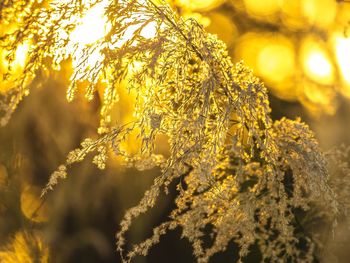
244,176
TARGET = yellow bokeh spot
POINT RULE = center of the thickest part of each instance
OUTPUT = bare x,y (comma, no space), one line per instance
318,65
202,5
31,204
342,52
318,99
262,8
276,61
316,62
223,26
247,48
272,57
292,14
299,14
320,13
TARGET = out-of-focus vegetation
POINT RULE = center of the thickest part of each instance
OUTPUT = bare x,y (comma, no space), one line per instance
299,49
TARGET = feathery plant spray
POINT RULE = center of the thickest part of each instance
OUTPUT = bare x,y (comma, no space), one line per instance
245,176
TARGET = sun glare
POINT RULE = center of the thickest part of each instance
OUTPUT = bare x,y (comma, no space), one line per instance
93,25
342,50
316,63
149,31
21,54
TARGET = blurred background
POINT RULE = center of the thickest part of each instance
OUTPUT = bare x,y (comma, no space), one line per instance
300,50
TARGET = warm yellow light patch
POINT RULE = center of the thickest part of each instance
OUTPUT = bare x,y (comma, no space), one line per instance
316,63
262,8
272,56
203,5
20,58
292,14
93,25
223,26
342,53
248,47
17,65
21,54
149,31
320,13
318,100
276,61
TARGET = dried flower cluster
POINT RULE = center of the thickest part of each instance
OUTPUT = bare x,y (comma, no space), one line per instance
245,177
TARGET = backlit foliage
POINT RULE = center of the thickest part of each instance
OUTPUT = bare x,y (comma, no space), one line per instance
244,176
293,46
26,247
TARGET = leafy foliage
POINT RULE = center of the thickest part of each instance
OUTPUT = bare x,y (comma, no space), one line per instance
245,176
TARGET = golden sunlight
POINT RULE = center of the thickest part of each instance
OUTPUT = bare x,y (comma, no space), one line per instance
17,65
21,55
316,63
342,51
208,117
19,60
203,5
93,25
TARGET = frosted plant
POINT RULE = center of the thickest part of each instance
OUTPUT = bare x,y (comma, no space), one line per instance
244,176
